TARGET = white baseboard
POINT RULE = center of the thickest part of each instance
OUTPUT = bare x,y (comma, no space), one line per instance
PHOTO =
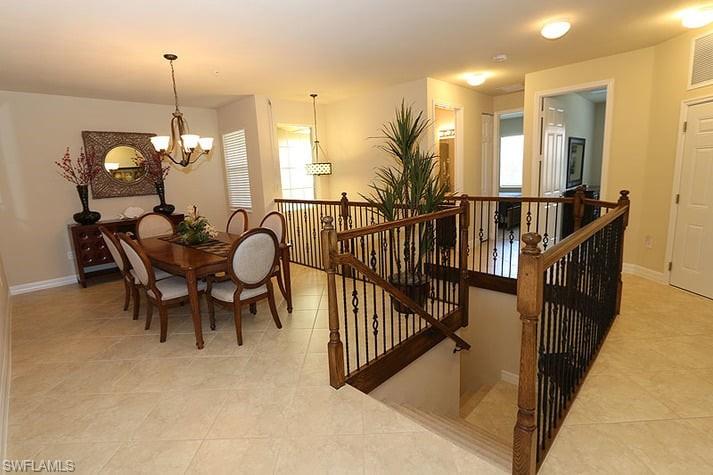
509,377
644,272
42,284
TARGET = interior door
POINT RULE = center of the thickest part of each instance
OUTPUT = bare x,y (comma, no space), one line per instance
692,266
553,178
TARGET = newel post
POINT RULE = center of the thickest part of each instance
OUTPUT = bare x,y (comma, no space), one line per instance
530,288
623,201
578,206
463,225
344,211
335,348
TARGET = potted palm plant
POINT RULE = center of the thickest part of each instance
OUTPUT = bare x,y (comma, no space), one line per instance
407,189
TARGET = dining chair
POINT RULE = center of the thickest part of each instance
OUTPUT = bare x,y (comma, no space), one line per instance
238,222
162,293
275,221
154,224
252,261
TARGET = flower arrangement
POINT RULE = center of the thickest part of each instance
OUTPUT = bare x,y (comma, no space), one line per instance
195,229
80,171
156,168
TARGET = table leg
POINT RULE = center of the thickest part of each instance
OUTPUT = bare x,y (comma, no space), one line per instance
192,282
286,275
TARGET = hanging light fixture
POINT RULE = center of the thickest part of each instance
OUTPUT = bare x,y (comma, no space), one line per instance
317,167
182,147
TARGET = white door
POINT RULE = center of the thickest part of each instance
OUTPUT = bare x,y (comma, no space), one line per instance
553,178
692,266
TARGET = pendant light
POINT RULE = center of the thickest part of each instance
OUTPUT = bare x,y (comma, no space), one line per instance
316,167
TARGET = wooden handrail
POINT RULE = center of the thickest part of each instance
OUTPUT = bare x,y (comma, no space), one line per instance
386,225
600,203
350,260
515,199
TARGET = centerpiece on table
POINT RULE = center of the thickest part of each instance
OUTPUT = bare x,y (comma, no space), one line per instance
80,171
157,171
410,188
195,229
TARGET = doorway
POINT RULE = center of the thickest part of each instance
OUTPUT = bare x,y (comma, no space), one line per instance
448,128
691,265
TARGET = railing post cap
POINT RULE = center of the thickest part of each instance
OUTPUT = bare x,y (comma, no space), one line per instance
327,222
344,194
531,243
624,195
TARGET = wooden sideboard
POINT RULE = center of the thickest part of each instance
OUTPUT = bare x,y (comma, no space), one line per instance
89,247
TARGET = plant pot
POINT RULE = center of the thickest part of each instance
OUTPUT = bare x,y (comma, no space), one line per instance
416,286
163,208
86,216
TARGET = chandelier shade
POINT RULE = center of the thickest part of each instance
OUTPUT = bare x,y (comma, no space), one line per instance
319,168
181,147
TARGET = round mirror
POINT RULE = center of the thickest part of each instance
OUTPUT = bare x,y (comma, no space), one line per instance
123,163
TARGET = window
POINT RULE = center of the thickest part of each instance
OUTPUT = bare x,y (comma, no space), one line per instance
236,170
512,149
295,148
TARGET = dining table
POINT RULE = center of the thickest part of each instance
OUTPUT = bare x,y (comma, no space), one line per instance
195,262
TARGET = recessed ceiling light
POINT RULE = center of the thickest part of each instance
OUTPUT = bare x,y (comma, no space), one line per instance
554,30
500,58
476,79
697,17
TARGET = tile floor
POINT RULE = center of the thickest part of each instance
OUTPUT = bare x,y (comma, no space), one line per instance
89,384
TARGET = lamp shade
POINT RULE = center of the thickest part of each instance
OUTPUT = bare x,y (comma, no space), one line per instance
190,141
160,142
206,143
319,168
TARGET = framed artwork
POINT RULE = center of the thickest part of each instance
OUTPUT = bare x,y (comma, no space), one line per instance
575,161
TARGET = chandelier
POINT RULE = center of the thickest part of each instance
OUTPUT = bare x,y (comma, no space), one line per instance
182,147
317,167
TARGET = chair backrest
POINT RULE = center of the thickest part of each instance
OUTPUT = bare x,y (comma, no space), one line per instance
275,221
253,257
154,224
139,261
238,222
112,243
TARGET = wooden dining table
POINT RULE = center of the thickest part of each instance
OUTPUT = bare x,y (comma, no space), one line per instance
194,263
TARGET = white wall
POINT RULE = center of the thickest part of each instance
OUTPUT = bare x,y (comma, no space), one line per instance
36,204
431,383
579,119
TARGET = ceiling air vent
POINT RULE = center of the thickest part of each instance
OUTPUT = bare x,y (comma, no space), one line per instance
702,61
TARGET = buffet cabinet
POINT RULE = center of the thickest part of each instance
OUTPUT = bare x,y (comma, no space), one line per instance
91,256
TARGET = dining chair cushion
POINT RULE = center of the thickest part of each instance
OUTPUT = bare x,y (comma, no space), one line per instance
254,258
159,274
173,287
152,225
225,291
237,224
273,222
115,252
138,269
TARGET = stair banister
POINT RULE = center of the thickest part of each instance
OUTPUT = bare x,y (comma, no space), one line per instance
335,348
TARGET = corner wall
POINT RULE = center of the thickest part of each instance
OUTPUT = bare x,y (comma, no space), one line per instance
5,345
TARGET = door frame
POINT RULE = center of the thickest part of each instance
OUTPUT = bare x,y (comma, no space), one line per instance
459,165
495,178
676,188
537,132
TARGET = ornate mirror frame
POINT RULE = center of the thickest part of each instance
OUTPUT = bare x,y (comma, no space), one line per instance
99,144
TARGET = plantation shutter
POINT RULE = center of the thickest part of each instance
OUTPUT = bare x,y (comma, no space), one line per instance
236,170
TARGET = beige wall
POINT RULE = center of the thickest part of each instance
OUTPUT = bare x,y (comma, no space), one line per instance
4,359
506,102
36,204
474,104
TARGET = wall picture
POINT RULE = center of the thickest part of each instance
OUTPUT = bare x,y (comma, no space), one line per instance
575,161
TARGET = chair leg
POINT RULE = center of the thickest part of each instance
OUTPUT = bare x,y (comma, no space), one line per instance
238,322
163,313
149,314
281,284
211,311
273,308
253,308
137,300
127,294
285,268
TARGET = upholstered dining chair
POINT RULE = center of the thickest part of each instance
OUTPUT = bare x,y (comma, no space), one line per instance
162,293
252,260
275,221
238,222
154,224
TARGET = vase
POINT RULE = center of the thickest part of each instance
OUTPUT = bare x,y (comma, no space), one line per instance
163,208
86,216
414,285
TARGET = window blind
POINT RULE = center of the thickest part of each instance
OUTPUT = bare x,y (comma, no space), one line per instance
236,170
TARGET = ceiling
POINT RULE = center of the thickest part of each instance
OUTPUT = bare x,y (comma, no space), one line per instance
227,48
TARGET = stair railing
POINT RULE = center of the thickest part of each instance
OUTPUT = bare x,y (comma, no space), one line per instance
567,296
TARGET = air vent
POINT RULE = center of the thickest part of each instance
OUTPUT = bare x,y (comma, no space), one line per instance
512,88
702,61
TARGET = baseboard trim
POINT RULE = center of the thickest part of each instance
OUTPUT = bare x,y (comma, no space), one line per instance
509,377
644,272
42,284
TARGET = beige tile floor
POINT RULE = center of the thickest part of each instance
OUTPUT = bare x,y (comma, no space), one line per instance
647,404
89,384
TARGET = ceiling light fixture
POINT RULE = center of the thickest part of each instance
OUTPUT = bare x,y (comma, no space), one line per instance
476,79
317,167
500,58
181,147
697,17
554,30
